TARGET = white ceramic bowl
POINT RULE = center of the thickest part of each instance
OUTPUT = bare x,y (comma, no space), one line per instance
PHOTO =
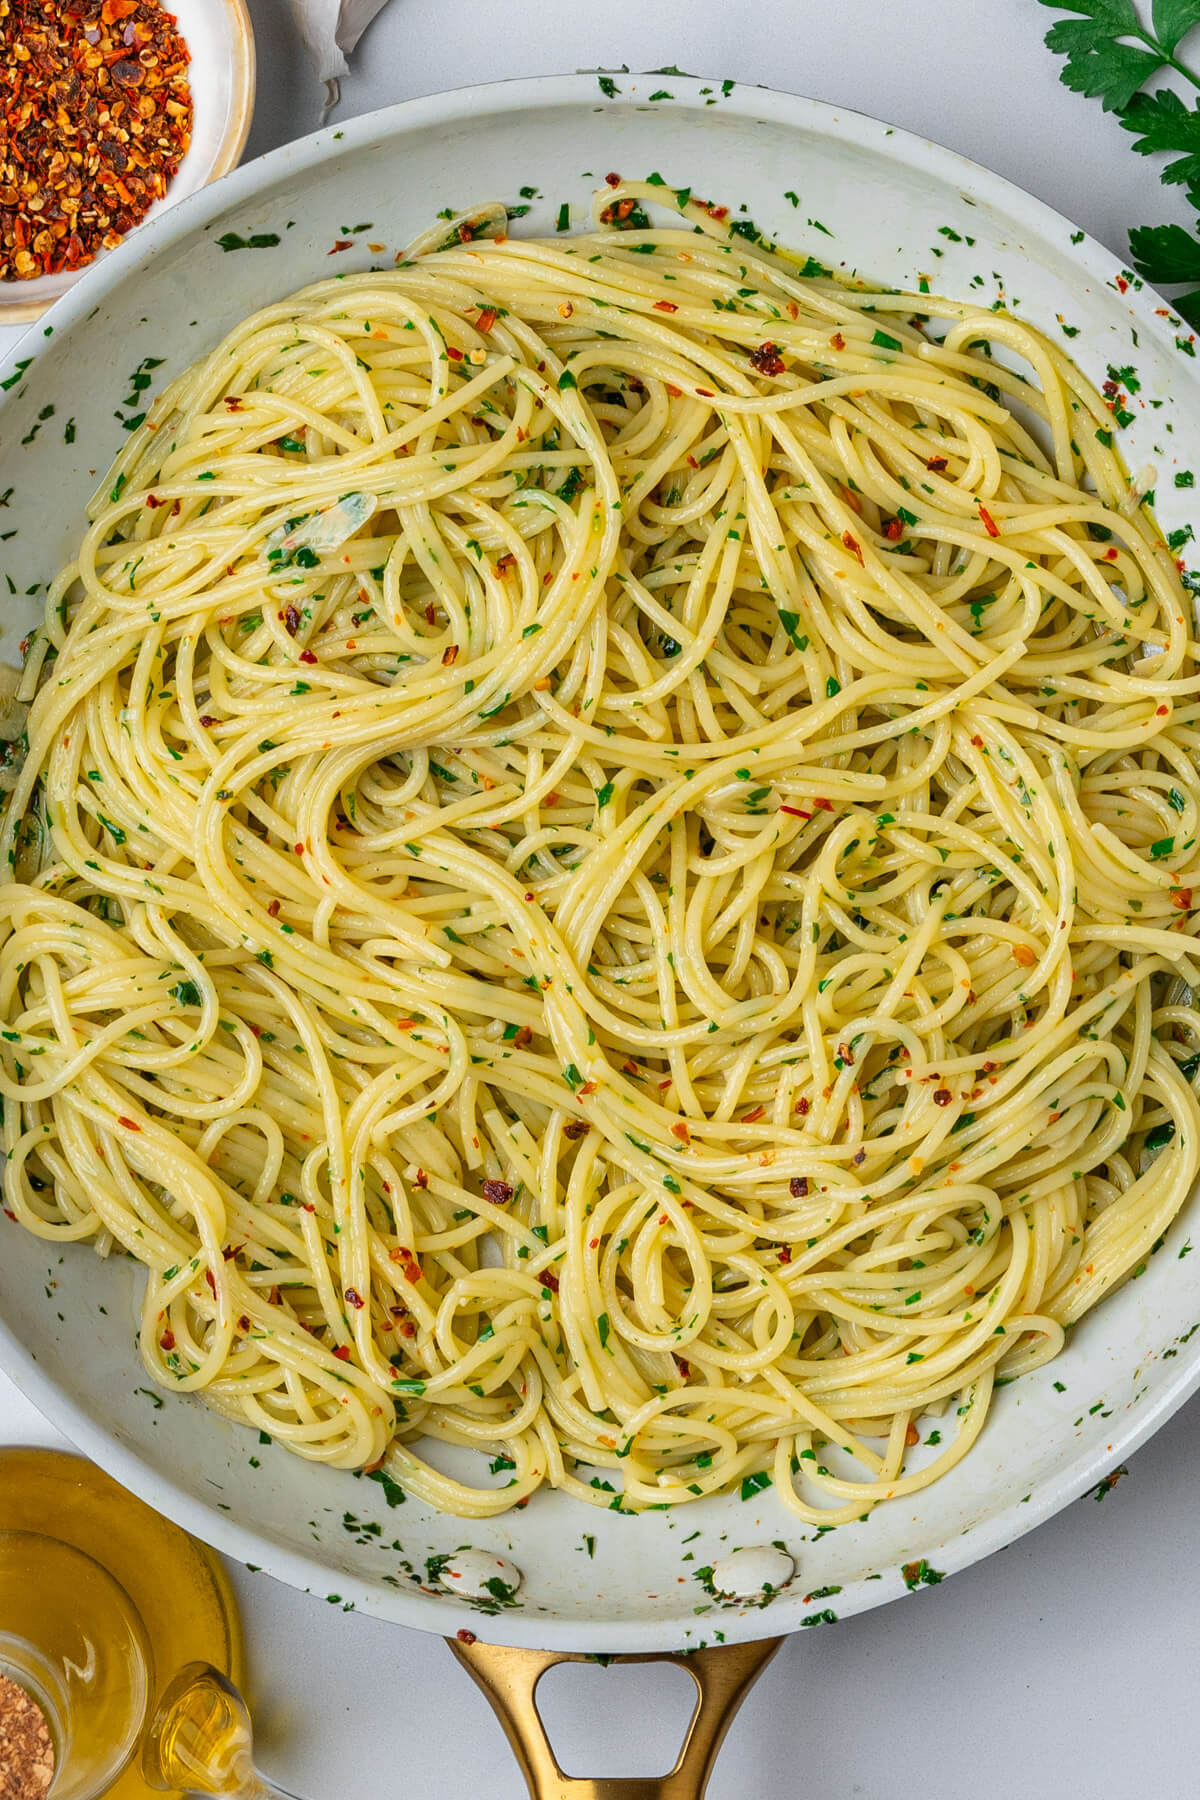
897,208
219,35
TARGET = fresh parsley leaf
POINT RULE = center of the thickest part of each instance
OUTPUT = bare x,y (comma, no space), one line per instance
1112,56
1165,253
1173,19
1100,62
393,1493
1163,122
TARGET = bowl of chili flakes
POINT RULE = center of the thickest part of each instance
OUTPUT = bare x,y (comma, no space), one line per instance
110,110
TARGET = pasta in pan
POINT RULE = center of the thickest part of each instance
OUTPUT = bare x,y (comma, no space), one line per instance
604,871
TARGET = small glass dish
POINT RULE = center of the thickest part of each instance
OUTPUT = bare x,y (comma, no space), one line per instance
72,1639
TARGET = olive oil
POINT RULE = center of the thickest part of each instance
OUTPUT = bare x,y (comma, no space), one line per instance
201,1739
93,1580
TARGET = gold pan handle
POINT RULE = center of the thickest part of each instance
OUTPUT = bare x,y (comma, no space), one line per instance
723,1674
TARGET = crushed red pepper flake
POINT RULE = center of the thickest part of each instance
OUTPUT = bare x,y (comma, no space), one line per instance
767,360
95,118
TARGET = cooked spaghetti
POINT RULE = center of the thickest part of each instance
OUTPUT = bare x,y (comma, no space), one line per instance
604,872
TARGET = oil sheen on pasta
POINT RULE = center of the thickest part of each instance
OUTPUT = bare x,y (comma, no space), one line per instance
605,873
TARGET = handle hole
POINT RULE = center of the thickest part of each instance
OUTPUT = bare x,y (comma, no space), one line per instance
612,1722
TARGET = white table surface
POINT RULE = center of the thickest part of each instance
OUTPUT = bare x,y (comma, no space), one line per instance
1064,1668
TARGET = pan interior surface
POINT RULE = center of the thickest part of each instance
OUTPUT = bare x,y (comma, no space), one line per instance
873,204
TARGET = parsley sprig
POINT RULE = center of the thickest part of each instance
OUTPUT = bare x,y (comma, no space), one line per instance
1111,56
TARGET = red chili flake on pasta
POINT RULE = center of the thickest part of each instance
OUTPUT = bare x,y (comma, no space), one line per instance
894,529
942,1097
486,320
798,1187
354,1297
803,1105
935,464
1024,955
342,1352
129,1124
667,306
612,178
989,524
549,1281
1181,899
837,341
794,811
752,1118
410,1268
453,354
498,1192
167,1340
306,656
785,1255
291,619
680,1130
852,545
767,360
